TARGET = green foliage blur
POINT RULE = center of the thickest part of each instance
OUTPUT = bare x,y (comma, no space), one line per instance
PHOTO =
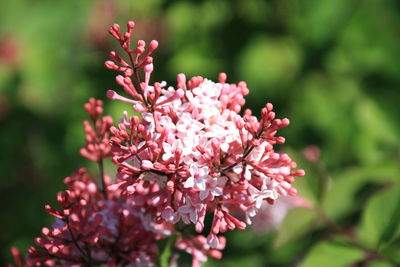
332,67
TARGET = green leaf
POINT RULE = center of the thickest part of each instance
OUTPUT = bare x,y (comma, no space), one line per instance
332,254
391,250
166,247
348,183
345,186
380,264
377,136
380,221
297,222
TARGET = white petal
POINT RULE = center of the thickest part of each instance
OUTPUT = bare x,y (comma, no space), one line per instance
203,171
224,147
167,147
259,202
274,194
217,191
189,182
166,156
203,194
247,174
141,144
213,241
237,169
185,209
201,184
147,116
193,216
185,219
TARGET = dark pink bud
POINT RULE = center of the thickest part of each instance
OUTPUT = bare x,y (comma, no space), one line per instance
130,24
222,77
111,65
153,45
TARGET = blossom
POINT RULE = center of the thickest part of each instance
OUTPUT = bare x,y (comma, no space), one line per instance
216,160
189,211
311,153
92,230
97,136
198,177
189,153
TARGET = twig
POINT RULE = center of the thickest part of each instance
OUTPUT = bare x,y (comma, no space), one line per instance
73,239
370,253
102,177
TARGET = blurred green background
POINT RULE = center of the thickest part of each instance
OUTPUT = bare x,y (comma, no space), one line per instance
332,67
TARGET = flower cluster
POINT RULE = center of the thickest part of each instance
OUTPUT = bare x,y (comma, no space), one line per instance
92,230
191,141
187,155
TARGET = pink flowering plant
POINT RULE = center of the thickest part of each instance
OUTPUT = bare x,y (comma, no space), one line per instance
185,154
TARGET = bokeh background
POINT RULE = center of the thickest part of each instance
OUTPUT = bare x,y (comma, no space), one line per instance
332,67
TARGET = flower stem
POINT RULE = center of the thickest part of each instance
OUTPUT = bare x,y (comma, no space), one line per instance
102,177
86,256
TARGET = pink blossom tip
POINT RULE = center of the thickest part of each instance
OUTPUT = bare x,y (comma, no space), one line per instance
111,94
285,122
131,24
149,68
110,65
153,45
222,77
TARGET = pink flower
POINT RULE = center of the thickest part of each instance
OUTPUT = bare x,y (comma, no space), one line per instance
189,153
190,211
97,138
198,177
89,228
260,195
215,160
214,187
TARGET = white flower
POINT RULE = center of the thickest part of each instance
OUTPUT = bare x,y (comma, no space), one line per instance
198,177
214,187
190,209
259,195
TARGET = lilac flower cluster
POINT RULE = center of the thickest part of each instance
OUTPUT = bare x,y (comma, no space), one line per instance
185,154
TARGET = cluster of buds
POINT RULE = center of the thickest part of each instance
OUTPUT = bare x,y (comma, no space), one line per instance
188,155
97,136
91,230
